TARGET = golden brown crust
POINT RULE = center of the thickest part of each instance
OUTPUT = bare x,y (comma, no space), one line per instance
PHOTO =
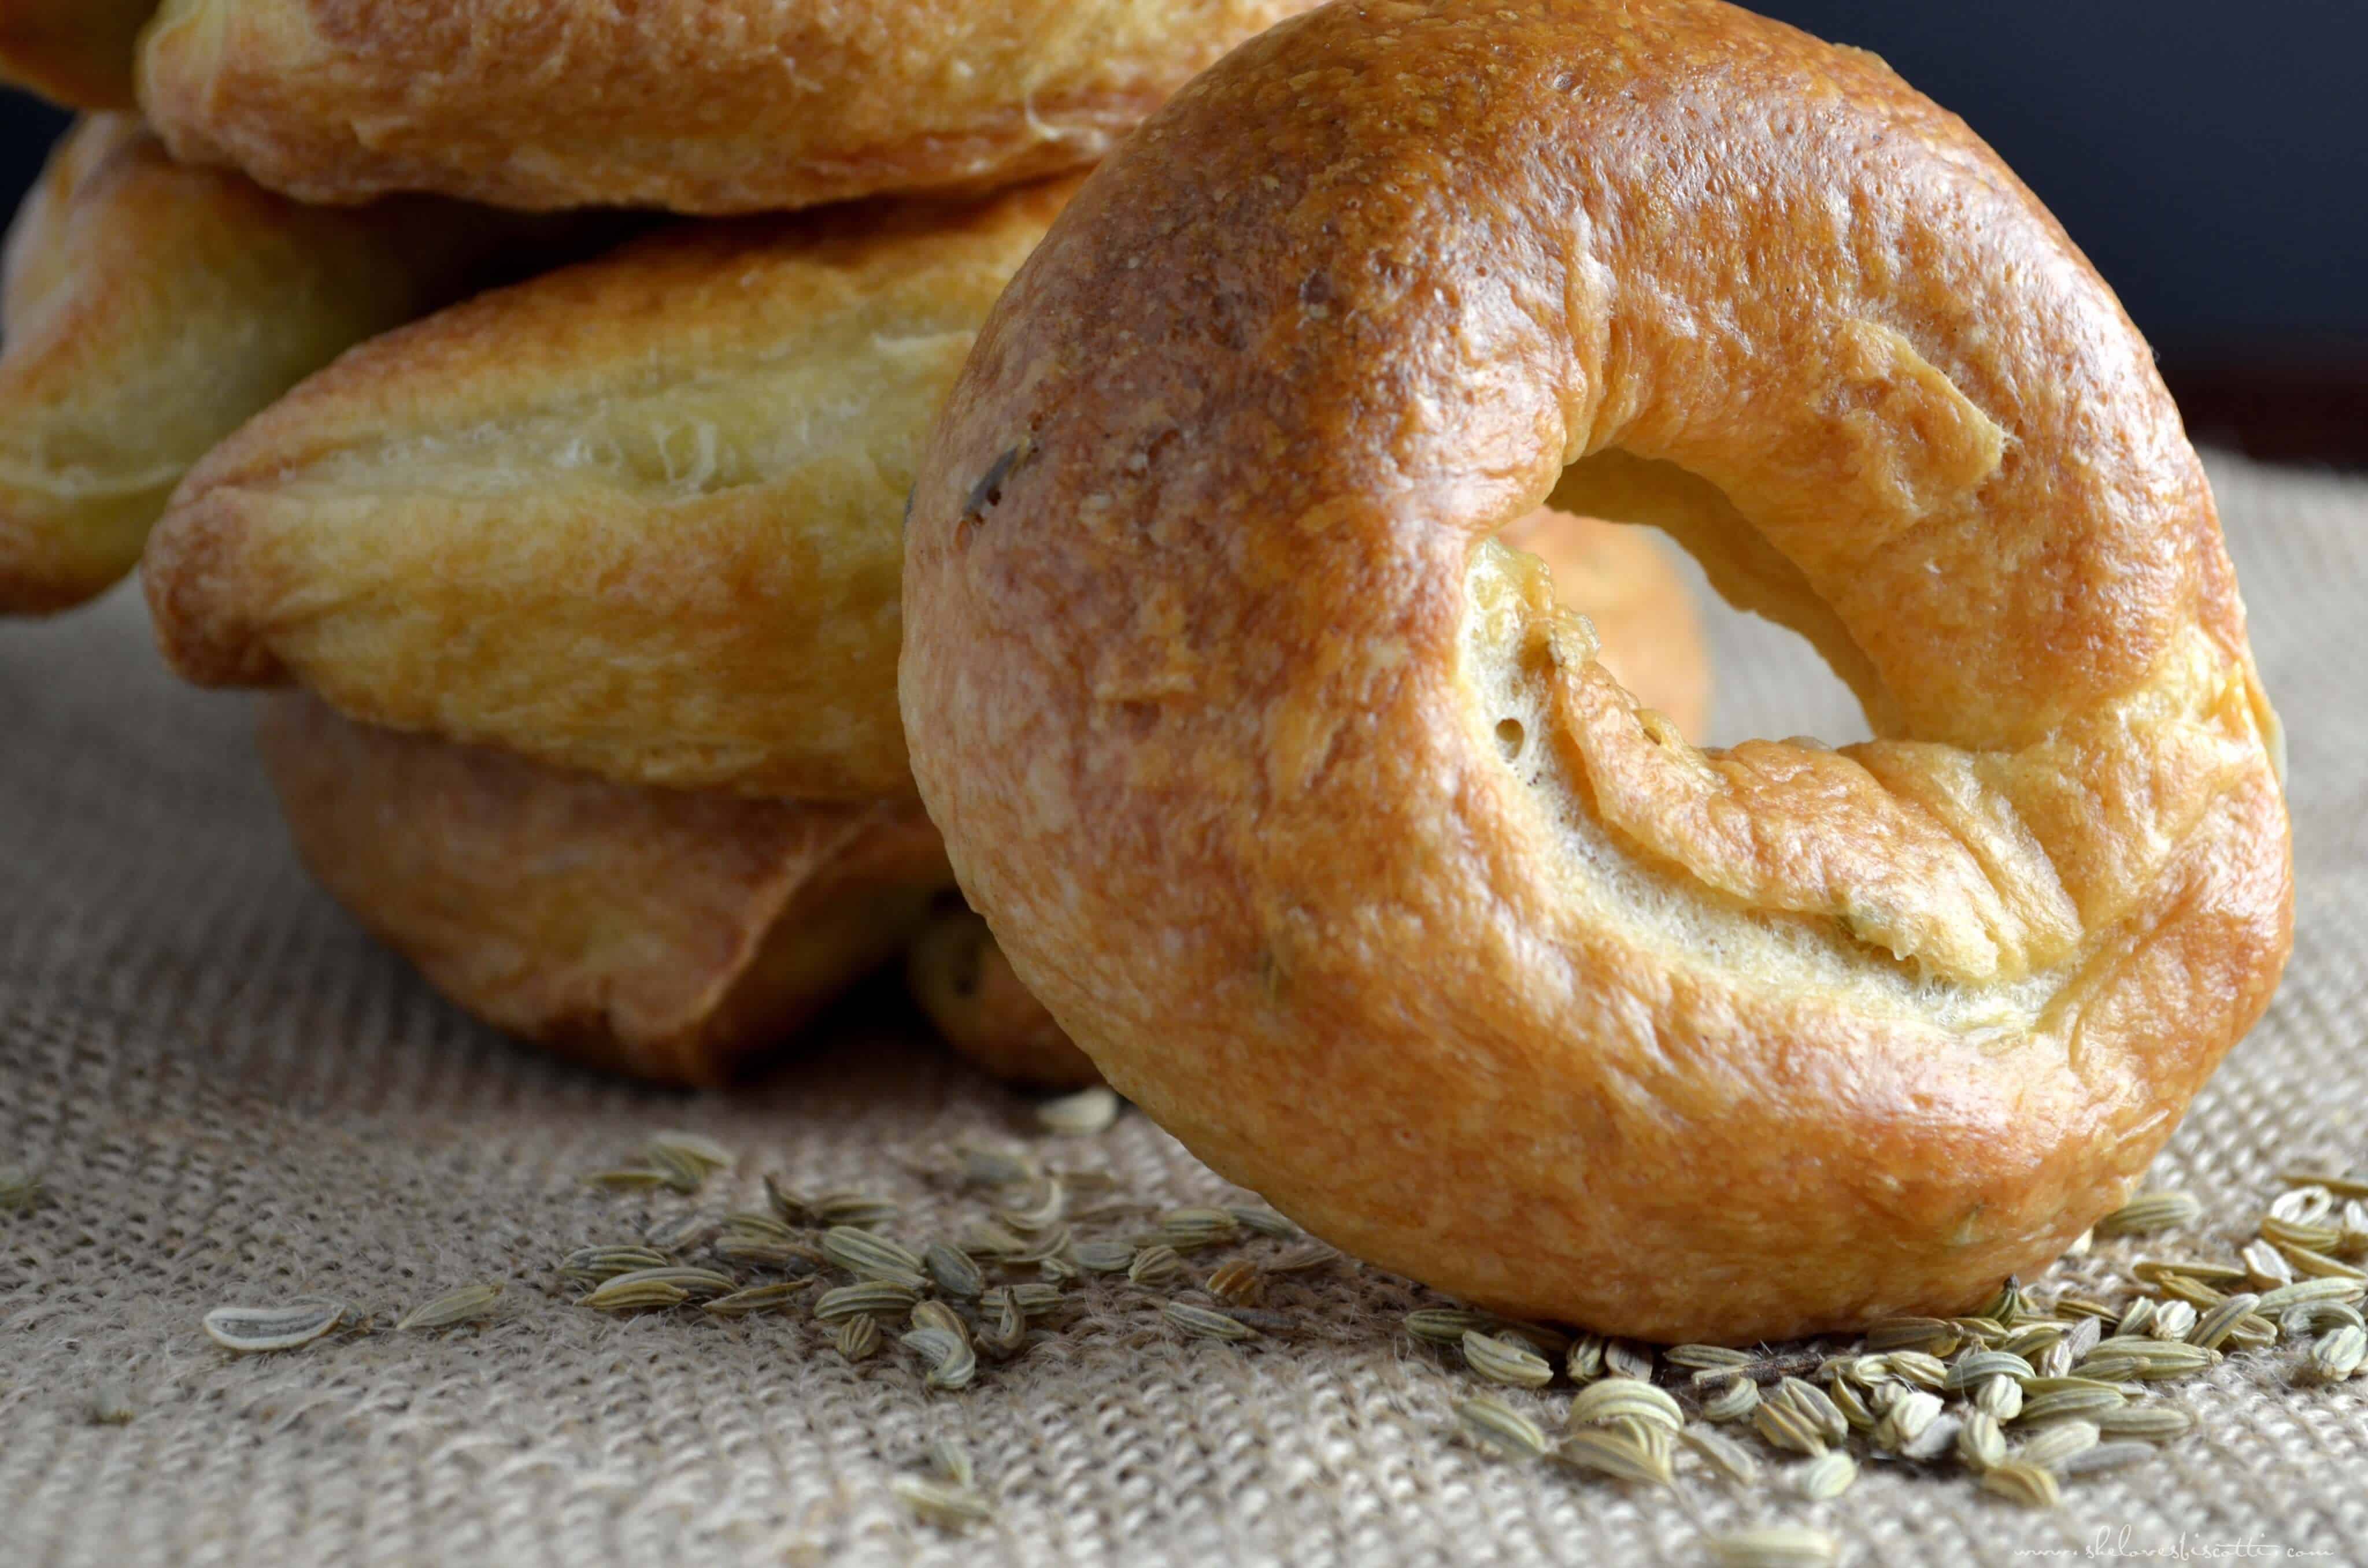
638,518
667,934
961,978
1207,694
151,307
78,53
697,106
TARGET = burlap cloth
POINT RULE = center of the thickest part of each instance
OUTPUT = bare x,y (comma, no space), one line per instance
234,1095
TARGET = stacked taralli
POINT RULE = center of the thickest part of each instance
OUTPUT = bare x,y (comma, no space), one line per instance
571,531
1089,506
1197,544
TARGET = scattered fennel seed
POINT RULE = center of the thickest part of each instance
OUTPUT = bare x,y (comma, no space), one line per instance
1774,1546
1083,1114
1506,1361
947,1507
1496,1425
2150,1212
249,1330
467,1304
1202,1323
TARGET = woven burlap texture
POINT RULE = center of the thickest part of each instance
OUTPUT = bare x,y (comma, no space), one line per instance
232,1095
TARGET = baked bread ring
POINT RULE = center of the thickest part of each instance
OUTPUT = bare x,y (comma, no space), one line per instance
78,53
637,517
151,307
1207,665
695,106
665,935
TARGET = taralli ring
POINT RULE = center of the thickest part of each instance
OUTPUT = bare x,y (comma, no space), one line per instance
150,308
1333,844
667,934
696,105
637,517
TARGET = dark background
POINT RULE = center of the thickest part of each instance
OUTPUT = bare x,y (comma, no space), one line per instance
2212,160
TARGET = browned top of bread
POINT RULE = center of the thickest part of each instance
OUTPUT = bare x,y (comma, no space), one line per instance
1206,688
639,517
698,105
